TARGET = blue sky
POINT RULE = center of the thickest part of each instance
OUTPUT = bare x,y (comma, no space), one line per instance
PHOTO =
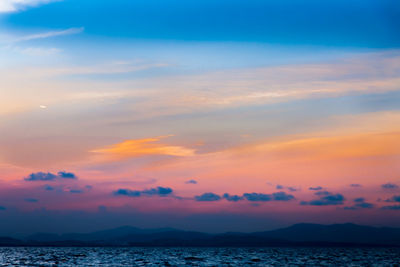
355,23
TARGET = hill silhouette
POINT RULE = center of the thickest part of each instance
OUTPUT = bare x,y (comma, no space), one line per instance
297,235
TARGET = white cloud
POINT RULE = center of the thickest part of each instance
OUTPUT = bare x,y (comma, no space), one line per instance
38,51
49,34
16,5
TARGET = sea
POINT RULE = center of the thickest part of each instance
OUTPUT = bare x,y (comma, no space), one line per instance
104,256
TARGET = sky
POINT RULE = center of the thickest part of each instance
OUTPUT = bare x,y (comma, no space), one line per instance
205,115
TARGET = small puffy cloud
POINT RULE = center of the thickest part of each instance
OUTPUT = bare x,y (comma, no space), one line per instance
282,196
364,205
66,175
359,203
127,192
394,207
389,186
32,200
233,198
322,193
393,199
252,197
315,188
158,191
76,191
278,196
2,208
355,185
326,199
191,182
290,188
208,197
48,187
48,176
41,176
257,197
358,200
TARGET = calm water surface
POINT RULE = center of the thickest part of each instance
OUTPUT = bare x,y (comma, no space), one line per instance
199,256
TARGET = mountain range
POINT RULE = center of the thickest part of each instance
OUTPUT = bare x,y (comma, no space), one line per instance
297,235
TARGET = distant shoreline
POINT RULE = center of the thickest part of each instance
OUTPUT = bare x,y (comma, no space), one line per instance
298,235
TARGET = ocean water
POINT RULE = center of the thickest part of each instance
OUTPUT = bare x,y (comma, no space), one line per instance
44,256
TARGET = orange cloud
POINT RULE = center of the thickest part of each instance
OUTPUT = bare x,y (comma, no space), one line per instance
357,145
143,147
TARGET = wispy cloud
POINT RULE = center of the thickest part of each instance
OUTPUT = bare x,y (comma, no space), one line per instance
7,6
38,51
142,147
44,35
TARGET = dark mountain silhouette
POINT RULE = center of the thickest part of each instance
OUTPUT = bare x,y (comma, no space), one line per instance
8,241
296,235
105,235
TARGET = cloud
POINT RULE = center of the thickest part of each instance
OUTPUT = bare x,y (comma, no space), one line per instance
191,182
322,193
360,204
282,196
358,200
50,34
66,175
290,188
48,187
43,176
257,197
158,191
208,197
326,199
315,188
355,185
278,196
2,208
76,191
233,198
32,200
127,192
253,197
143,147
393,199
13,40
38,52
7,6
389,186
364,205
395,207
339,144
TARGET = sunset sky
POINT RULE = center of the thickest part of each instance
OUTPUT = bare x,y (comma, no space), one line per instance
206,115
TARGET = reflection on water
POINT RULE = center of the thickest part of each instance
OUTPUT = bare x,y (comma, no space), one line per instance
44,256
